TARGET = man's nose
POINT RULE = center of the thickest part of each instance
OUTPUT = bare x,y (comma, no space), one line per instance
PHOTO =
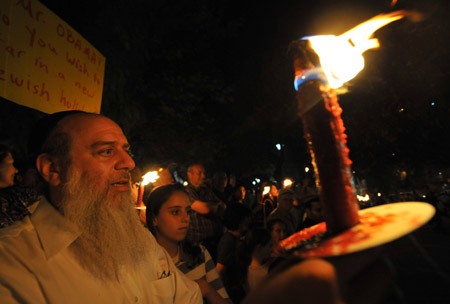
124,162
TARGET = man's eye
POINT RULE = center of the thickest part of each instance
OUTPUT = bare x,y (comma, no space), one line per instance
175,212
106,152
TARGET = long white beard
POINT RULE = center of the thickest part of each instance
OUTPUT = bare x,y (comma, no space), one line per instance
112,239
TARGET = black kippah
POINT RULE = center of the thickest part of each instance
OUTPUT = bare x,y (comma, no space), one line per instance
42,130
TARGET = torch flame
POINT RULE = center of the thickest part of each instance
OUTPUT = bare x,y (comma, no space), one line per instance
341,56
287,182
149,177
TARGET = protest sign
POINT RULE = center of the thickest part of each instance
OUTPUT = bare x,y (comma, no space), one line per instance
44,63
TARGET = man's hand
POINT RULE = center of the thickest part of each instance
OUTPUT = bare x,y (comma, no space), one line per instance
355,278
215,209
200,207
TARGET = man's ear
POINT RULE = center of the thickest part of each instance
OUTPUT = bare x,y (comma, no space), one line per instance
49,169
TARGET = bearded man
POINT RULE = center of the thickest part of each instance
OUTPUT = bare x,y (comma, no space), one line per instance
83,241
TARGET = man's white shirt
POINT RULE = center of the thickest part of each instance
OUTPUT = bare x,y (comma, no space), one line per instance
36,266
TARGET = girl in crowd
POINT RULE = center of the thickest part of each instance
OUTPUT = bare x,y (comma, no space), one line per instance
236,219
257,255
277,229
7,169
168,210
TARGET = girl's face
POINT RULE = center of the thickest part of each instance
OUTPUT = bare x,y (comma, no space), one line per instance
278,232
173,219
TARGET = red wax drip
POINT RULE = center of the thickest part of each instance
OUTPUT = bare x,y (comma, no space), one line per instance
324,132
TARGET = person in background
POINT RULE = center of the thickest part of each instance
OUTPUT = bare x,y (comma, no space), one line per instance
236,220
257,251
239,195
7,169
14,200
266,205
168,220
277,229
231,186
313,212
270,200
284,211
219,183
205,219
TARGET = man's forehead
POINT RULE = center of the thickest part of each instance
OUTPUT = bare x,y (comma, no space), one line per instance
92,128
198,168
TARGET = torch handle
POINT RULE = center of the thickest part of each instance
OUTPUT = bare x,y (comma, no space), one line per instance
324,133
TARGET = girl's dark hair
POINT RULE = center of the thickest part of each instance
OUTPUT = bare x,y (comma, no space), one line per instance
156,199
256,237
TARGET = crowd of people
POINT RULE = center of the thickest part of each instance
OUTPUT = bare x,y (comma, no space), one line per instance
71,230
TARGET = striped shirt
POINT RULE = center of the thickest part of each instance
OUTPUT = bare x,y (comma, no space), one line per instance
205,270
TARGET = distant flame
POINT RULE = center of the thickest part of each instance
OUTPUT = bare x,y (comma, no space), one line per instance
149,177
287,182
363,198
341,56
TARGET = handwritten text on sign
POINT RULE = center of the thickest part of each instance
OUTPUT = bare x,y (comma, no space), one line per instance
44,63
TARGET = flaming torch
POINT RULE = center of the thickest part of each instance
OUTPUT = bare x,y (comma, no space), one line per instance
149,177
323,64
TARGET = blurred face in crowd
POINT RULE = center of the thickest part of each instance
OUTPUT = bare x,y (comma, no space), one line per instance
315,212
285,201
242,188
278,232
274,190
196,176
94,194
172,221
7,171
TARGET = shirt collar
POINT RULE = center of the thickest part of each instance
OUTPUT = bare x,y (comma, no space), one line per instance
55,232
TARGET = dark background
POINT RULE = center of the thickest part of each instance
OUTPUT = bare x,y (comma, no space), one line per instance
210,81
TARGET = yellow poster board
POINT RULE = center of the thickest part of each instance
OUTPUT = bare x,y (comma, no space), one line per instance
44,63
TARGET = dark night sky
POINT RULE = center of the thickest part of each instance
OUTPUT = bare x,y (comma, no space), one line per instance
214,78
